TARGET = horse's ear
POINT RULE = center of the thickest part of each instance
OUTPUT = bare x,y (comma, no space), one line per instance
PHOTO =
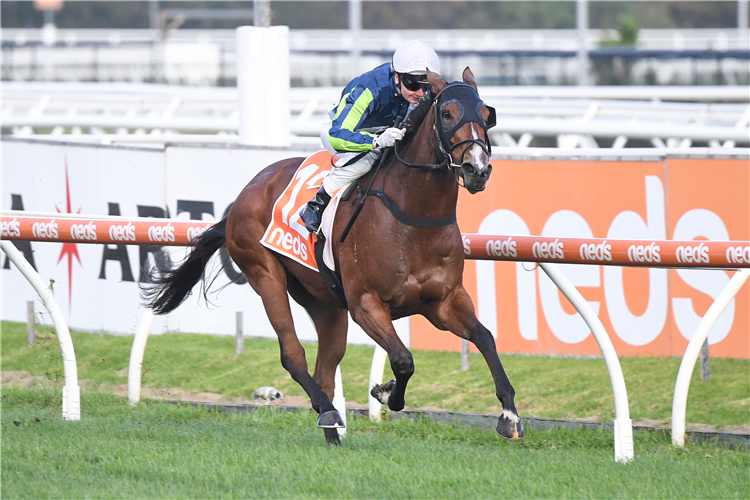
468,77
437,83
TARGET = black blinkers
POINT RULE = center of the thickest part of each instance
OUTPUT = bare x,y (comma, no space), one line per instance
469,105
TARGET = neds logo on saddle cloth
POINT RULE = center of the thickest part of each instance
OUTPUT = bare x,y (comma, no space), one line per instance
286,234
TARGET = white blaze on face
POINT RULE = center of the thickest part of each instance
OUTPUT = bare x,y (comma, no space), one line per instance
476,150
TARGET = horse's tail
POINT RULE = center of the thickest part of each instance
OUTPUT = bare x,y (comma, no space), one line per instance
170,287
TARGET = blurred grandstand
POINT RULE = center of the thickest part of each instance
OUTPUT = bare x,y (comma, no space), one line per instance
331,57
566,88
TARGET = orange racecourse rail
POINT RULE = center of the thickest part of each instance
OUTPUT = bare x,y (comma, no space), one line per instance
129,232
641,253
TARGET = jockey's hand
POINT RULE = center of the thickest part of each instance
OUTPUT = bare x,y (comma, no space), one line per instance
388,138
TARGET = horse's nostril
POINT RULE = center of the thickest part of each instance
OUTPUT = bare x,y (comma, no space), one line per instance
468,168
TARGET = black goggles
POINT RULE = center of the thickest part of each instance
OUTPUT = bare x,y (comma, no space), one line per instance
414,82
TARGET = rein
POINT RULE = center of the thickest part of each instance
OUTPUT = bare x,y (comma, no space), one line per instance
456,92
390,204
442,148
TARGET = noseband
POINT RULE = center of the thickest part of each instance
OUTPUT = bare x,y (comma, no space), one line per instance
469,106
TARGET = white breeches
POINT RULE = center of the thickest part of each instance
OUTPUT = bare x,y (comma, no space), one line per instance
343,176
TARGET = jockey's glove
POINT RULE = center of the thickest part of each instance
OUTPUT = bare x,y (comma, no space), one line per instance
388,138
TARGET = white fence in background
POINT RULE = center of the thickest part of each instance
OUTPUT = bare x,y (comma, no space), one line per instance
332,57
576,117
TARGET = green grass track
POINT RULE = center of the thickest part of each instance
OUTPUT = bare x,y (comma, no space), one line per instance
550,387
160,450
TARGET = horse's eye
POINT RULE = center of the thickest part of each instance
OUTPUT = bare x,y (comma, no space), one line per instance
446,115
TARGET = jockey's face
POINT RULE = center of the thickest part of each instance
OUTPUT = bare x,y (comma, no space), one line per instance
412,96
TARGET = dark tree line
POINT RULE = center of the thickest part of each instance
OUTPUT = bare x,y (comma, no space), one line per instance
391,15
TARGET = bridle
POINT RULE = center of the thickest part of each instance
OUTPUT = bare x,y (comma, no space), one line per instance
469,105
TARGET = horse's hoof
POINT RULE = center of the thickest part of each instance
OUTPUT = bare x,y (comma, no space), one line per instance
332,436
509,426
330,420
383,391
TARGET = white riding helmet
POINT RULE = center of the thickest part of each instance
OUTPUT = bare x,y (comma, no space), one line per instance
414,57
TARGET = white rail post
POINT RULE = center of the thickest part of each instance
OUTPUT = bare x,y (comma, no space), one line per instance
136,356
262,13
339,402
582,30
239,336
379,357
679,403
355,28
377,368
464,355
30,323
624,451
705,362
71,399
137,352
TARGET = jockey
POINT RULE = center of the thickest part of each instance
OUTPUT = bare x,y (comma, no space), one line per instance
362,123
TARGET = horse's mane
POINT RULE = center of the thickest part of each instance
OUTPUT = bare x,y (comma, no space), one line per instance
414,119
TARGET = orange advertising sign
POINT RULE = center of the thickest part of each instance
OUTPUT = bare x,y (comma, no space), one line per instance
646,311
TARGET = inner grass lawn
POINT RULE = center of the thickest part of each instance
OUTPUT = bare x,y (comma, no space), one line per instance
552,387
161,450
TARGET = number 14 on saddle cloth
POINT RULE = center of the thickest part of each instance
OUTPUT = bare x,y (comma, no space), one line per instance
286,234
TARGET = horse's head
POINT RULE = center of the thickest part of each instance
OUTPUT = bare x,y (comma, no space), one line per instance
461,122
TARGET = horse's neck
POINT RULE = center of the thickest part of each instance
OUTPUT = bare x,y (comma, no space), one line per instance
422,192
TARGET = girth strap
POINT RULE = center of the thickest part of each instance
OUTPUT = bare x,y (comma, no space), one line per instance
410,220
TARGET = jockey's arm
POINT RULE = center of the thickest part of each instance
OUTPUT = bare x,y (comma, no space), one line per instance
350,112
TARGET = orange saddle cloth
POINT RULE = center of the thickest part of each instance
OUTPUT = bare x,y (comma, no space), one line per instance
286,234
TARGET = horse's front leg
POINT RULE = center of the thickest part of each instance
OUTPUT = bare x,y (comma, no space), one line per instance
456,314
375,319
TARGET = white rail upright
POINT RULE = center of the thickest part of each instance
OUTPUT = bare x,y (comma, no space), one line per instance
377,368
136,356
339,401
624,451
682,386
623,425
71,397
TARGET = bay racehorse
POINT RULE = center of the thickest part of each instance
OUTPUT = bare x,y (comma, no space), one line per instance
403,256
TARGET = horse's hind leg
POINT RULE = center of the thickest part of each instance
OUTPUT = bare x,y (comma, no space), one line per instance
375,320
457,314
269,281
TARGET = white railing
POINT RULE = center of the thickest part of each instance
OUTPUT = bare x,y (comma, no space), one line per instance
623,431
388,40
577,116
326,57
71,396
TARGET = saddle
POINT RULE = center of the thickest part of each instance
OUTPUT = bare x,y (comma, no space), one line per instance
287,235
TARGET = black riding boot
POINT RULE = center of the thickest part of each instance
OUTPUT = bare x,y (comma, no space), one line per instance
312,214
